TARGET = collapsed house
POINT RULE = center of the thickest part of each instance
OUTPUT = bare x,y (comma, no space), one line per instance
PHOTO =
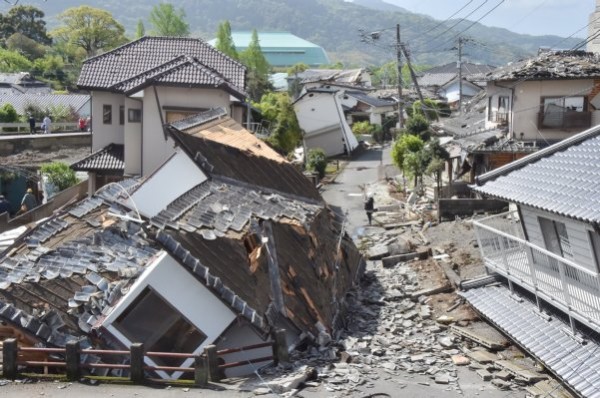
546,253
222,244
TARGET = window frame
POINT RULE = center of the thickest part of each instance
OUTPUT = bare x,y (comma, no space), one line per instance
134,115
107,114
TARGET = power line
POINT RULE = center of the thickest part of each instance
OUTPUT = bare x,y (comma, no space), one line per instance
447,19
461,20
528,14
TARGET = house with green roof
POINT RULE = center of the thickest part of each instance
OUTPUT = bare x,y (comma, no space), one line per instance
282,48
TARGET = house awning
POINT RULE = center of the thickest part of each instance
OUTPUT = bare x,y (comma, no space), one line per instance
108,160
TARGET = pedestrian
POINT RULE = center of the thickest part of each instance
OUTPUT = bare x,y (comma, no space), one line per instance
370,207
46,124
82,124
29,201
31,124
4,205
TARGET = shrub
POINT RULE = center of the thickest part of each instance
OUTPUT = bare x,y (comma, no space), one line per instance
59,174
8,114
317,161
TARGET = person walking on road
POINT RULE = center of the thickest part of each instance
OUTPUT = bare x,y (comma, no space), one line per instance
46,124
370,206
31,124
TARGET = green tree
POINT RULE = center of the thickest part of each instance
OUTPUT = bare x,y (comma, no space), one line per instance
12,61
418,125
92,29
59,174
402,148
167,21
140,30
26,20
362,128
258,69
278,111
295,87
8,114
316,161
438,157
225,42
429,109
24,45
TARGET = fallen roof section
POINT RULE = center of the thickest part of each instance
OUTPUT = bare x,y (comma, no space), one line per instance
576,363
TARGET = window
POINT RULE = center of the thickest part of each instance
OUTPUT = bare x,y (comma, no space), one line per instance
562,104
561,112
556,238
134,115
107,114
154,322
121,114
503,104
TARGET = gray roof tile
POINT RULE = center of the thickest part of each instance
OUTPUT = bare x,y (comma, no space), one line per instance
563,178
577,364
138,59
107,159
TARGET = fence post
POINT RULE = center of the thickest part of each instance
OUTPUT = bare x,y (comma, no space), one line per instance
9,359
200,371
73,360
280,351
137,363
212,361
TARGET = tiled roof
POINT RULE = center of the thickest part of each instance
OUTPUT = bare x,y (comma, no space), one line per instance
563,178
551,65
351,76
435,79
108,159
213,143
370,100
149,56
467,69
45,101
575,362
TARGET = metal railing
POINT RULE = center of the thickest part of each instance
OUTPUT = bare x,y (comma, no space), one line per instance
23,128
566,285
259,129
499,117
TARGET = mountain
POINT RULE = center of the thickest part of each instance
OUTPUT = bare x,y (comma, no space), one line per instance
339,26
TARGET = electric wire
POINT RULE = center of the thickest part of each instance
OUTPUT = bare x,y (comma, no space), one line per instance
461,20
447,19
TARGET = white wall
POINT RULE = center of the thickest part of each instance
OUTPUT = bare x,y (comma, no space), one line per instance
182,291
577,232
155,148
242,335
177,176
105,134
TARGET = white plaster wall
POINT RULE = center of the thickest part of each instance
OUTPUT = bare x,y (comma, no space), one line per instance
177,176
133,139
105,134
316,111
155,149
182,291
241,336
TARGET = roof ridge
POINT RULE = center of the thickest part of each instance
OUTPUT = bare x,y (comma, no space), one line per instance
148,71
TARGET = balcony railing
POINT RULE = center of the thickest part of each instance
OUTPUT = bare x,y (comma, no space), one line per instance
499,117
564,120
570,287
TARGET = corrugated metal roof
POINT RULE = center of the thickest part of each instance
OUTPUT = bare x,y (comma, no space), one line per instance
577,364
137,58
45,101
563,178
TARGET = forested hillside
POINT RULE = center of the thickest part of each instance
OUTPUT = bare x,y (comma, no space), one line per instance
333,24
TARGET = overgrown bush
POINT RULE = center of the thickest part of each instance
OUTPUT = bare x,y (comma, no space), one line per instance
59,174
8,114
316,161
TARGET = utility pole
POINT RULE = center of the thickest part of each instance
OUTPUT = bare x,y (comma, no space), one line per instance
416,83
399,66
460,86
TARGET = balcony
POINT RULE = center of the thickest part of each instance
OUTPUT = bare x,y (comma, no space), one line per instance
564,120
569,287
499,117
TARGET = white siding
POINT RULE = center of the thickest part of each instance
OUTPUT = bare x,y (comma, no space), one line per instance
105,134
576,230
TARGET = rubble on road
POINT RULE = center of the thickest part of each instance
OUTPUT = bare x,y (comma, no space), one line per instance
399,325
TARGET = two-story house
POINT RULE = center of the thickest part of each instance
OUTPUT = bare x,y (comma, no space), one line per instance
547,252
138,88
547,98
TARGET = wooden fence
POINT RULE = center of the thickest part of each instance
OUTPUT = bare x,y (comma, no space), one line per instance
207,366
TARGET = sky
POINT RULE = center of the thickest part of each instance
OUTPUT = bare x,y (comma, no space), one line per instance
535,17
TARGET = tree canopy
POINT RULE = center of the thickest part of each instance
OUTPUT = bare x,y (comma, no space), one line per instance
224,41
12,62
26,20
92,29
258,68
278,111
167,21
